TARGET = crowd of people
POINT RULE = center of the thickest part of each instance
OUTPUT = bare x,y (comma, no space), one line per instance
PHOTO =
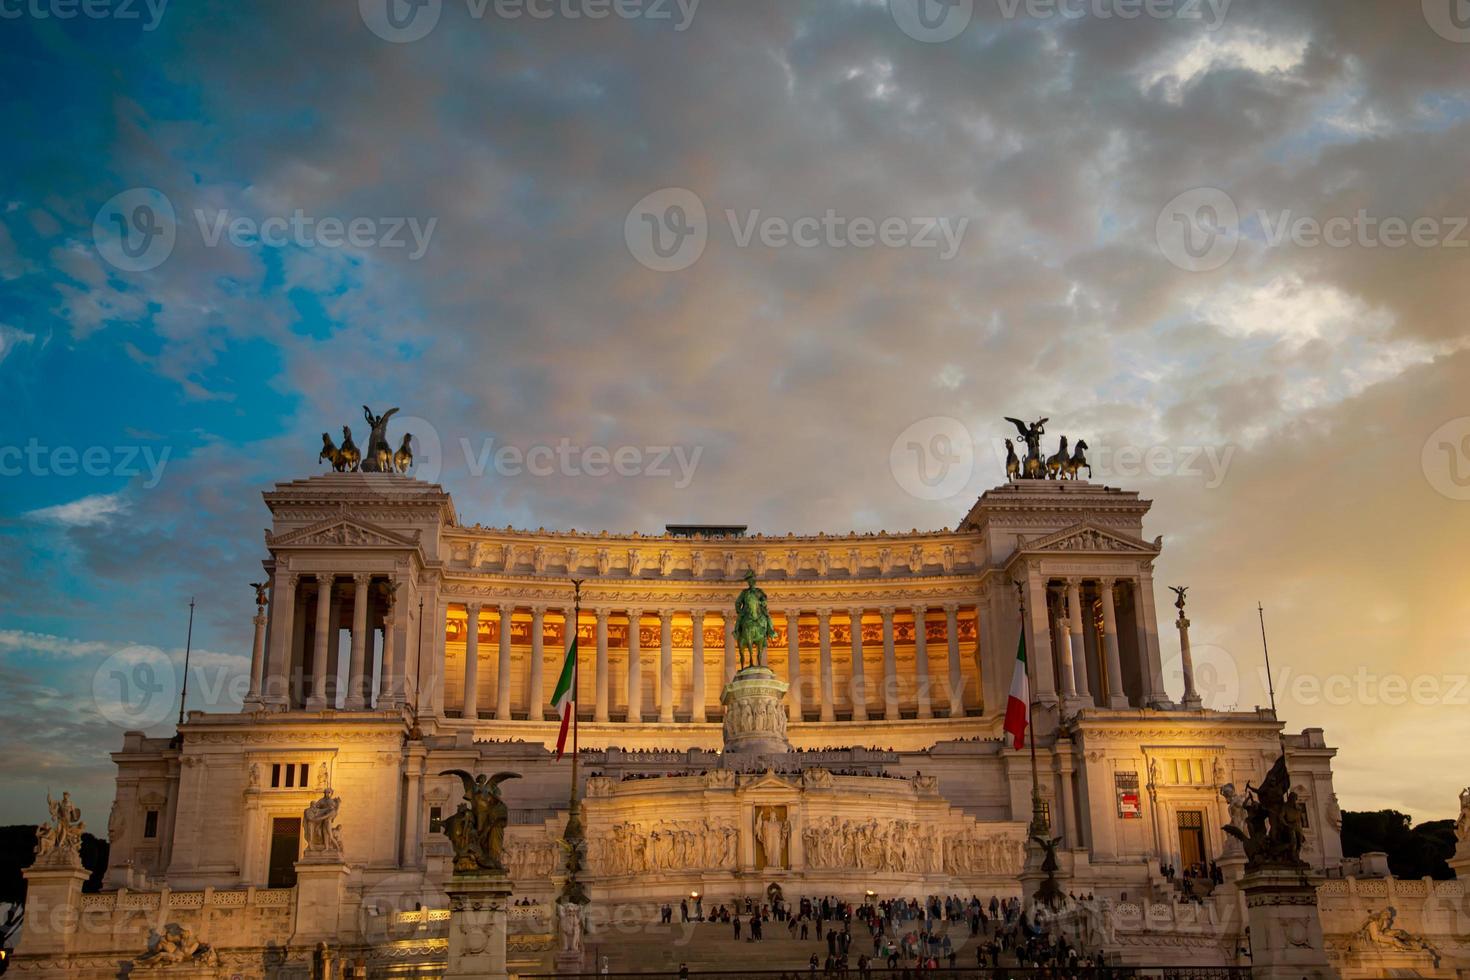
904,934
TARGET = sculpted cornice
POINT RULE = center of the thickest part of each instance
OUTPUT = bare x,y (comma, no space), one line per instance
1089,538
652,592
340,531
1144,736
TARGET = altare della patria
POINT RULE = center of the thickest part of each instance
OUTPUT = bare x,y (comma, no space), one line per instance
469,751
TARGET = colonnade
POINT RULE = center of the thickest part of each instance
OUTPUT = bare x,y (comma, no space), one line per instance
937,676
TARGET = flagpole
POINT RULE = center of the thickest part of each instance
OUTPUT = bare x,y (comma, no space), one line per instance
1039,826
1270,681
188,647
574,836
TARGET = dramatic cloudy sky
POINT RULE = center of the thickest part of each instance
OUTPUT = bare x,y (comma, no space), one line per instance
1131,201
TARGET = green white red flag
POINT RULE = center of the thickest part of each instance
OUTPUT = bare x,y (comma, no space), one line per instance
1018,705
564,698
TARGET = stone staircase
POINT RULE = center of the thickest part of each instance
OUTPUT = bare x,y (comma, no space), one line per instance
711,946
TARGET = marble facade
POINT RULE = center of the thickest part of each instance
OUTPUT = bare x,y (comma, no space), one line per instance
399,642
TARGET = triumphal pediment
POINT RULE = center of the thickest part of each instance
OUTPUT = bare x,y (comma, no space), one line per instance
342,532
1088,537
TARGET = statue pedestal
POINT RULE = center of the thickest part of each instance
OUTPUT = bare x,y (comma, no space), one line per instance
53,908
1286,928
321,883
755,713
569,962
1460,863
477,926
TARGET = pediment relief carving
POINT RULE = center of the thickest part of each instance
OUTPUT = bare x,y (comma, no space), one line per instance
1090,538
343,532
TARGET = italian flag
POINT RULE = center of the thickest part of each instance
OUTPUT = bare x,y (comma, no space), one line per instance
564,698
1018,705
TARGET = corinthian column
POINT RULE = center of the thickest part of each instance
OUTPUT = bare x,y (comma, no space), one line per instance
793,665
1079,648
1117,697
890,669
921,660
696,677
356,673
318,699
635,669
257,655
956,675
1186,658
665,665
536,693
600,709
1062,643
275,685
502,674
859,683
824,638
472,662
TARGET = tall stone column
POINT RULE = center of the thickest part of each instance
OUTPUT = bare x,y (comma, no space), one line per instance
600,709
1079,651
257,655
890,669
696,675
824,638
1038,640
502,672
318,699
1117,696
356,676
921,660
956,675
1186,659
1148,647
1062,640
635,668
472,662
276,683
389,688
666,665
536,692
859,682
793,665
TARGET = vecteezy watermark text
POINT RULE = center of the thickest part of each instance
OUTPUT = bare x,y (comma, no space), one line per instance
148,11
667,231
405,21
565,459
35,459
300,229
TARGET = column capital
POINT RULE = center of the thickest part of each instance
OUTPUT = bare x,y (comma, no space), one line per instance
824,612
666,615
887,611
950,608
856,612
697,615
1074,581
361,579
474,608
507,609
325,576
1107,582
539,609
921,609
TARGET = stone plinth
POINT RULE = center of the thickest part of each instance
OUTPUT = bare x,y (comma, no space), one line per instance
53,903
321,885
477,927
755,713
1286,927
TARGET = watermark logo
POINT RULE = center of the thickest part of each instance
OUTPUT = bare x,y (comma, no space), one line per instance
1199,230
677,463
932,21
667,231
1211,13
1445,459
933,459
136,687
1450,19
127,10
400,21
135,231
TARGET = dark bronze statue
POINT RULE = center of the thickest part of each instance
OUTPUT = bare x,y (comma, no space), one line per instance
379,457
1033,468
1275,822
1049,893
476,830
753,627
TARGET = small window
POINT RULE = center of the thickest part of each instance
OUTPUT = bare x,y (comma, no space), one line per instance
150,825
305,768
435,815
275,775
